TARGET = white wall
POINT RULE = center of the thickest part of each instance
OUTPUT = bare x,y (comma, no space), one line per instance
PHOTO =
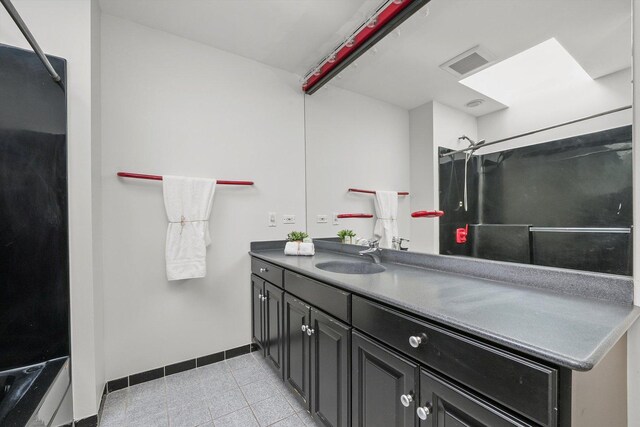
172,106
354,141
423,178
543,109
633,370
433,125
64,416
96,200
63,28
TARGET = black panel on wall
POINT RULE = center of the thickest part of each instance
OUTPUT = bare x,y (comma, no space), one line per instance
34,260
501,242
605,252
583,181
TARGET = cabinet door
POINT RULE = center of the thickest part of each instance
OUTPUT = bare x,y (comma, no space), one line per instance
257,295
273,342
443,404
296,347
382,383
330,347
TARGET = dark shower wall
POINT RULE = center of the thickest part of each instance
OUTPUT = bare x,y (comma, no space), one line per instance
576,182
583,182
34,264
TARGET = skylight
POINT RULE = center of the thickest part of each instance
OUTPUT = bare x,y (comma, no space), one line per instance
544,67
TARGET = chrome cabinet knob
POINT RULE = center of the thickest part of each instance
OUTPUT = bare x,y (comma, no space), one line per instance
303,328
264,298
263,270
406,400
416,340
424,411
260,296
310,331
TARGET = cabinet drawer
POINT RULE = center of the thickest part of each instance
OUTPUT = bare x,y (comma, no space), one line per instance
325,297
524,386
268,272
443,402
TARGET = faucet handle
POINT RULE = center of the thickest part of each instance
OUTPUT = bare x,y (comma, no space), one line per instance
375,243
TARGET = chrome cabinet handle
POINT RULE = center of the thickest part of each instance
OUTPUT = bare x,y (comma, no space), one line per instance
406,400
416,340
260,296
263,270
424,411
310,331
303,328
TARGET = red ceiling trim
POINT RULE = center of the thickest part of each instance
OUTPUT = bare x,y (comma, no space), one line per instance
365,33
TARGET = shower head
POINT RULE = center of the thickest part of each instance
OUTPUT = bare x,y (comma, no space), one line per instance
472,143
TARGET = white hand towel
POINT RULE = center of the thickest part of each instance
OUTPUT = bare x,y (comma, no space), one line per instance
297,248
386,228
188,203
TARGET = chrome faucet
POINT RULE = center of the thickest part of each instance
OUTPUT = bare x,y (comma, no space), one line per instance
373,251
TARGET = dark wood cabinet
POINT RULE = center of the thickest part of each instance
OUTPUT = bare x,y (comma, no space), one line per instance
273,326
266,320
330,391
522,385
257,288
317,361
383,382
443,404
296,347
356,362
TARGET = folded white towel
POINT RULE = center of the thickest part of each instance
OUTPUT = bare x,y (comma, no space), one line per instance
362,241
297,248
188,203
386,228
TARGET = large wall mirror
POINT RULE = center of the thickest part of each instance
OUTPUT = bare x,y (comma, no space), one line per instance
539,95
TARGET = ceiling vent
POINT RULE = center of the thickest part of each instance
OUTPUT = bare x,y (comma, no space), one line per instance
469,62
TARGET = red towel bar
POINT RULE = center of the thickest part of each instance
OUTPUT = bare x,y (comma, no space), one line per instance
427,214
355,215
159,178
357,190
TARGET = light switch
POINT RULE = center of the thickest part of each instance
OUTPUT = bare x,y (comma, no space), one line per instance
271,219
288,219
335,219
322,219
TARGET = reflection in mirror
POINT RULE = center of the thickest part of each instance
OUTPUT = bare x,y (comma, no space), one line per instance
514,118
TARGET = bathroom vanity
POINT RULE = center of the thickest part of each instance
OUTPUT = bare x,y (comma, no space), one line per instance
437,340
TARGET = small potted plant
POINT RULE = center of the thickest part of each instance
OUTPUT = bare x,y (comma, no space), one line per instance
297,236
347,236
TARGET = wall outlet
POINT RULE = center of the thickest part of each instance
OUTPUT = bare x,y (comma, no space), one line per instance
271,219
335,219
322,219
288,219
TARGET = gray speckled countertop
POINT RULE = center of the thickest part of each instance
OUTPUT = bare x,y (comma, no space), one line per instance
566,330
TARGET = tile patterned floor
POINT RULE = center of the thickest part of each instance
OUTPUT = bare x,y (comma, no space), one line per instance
239,392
